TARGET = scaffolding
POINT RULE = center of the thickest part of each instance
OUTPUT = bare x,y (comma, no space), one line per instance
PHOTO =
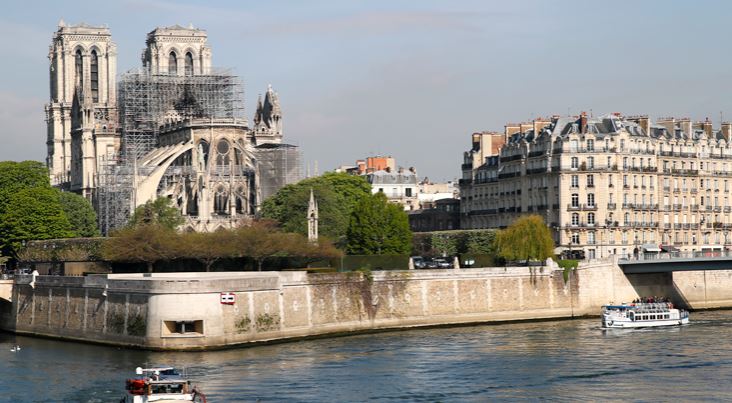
146,103
278,165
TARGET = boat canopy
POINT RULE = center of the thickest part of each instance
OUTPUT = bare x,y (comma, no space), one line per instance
651,248
617,306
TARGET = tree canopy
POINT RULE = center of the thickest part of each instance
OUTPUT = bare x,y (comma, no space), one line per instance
378,227
80,214
30,214
527,238
159,211
30,209
151,243
143,243
336,193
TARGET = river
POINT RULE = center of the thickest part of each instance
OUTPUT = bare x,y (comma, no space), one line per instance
568,360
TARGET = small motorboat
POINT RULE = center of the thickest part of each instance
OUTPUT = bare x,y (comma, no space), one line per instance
161,384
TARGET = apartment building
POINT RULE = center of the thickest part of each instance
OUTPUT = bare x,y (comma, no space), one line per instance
606,185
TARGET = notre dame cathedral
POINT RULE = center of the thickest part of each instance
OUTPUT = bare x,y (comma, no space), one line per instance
175,128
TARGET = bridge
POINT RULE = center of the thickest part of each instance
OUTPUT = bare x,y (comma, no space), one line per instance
676,261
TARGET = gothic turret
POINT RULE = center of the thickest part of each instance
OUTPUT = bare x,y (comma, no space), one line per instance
268,119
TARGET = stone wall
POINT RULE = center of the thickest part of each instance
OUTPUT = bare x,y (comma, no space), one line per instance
151,311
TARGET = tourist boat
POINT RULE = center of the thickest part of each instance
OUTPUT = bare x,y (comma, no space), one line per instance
643,314
161,384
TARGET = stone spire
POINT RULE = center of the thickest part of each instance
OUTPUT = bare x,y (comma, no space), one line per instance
312,219
268,118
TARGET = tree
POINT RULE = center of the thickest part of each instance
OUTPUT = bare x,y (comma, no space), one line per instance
159,211
481,242
378,227
262,240
527,238
336,194
445,244
143,243
80,214
30,214
15,176
208,248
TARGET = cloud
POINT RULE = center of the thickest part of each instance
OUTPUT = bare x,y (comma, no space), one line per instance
21,125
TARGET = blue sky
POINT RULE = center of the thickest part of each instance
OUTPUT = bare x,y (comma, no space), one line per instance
411,79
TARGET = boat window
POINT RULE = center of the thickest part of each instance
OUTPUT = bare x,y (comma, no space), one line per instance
167,388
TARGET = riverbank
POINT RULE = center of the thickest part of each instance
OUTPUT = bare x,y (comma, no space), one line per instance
198,311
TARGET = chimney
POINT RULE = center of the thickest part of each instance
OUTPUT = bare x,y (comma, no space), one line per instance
583,123
707,126
669,124
644,123
727,131
685,125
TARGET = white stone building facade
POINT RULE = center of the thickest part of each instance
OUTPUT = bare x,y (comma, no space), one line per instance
608,185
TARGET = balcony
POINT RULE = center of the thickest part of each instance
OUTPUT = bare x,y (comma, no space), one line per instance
611,206
590,207
694,207
573,207
666,189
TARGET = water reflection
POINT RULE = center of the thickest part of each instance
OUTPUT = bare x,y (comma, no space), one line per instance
573,360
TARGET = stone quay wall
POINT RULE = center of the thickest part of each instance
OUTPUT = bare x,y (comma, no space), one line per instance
184,311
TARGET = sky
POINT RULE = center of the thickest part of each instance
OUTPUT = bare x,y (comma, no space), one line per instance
409,79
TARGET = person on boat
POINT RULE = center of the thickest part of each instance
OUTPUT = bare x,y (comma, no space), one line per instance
156,376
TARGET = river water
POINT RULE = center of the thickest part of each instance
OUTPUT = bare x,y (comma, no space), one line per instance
570,360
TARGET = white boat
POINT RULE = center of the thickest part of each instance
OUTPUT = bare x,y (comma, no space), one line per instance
643,314
161,384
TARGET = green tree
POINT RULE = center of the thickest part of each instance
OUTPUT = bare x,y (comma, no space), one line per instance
527,238
159,211
143,243
80,214
481,242
336,193
444,244
32,213
15,176
378,227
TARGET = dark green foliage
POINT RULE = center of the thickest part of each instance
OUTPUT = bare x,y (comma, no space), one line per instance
30,209
378,227
159,211
15,176
32,213
336,194
475,242
80,214
444,245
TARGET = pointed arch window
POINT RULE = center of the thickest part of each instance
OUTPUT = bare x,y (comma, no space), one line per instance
173,64
189,64
94,75
79,67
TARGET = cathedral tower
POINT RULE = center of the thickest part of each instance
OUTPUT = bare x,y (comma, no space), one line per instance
177,51
83,63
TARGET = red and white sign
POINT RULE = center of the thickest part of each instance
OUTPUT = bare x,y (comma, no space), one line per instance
228,298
